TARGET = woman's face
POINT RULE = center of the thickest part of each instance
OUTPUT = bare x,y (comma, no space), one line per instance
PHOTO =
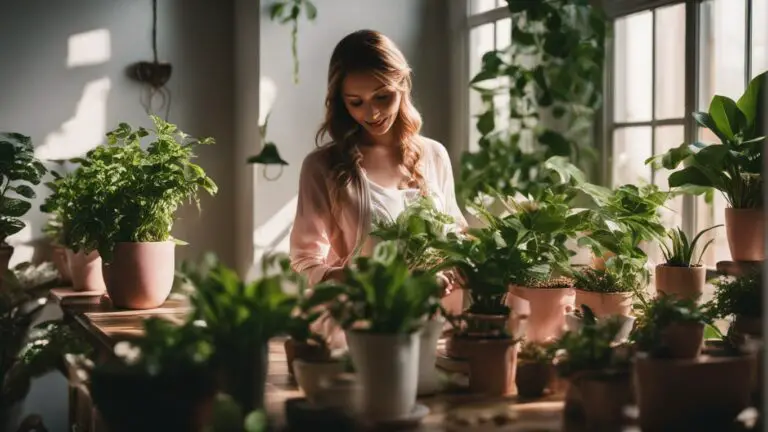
371,103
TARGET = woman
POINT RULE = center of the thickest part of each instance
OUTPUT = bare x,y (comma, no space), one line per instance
375,163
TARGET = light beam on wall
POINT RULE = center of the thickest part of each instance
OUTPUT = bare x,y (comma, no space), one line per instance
89,48
273,235
267,97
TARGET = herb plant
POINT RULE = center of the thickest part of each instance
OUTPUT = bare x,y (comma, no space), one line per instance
733,167
416,230
591,349
19,171
682,253
124,193
379,294
656,314
742,296
620,276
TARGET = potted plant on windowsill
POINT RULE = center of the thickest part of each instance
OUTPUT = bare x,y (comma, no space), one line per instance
610,291
535,369
382,306
19,171
733,167
681,273
160,381
742,299
125,206
597,368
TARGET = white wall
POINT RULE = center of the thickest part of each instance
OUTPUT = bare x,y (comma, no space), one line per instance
64,82
418,27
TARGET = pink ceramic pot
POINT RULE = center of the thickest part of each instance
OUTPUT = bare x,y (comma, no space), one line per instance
85,271
548,306
140,275
605,304
745,229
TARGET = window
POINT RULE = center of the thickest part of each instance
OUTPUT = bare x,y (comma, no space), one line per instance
723,43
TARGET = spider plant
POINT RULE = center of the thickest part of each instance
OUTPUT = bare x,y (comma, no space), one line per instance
681,252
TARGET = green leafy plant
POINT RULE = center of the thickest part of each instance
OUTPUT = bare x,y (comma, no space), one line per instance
379,294
591,348
656,314
741,296
552,70
682,253
289,11
124,193
733,167
416,230
620,275
19,171
191,273
536,352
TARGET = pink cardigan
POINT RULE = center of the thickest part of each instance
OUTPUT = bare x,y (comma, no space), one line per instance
322,240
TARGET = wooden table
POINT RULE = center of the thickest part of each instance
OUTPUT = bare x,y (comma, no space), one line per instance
104,325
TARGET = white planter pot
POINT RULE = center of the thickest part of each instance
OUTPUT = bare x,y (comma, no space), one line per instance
429,382
388,370
310,375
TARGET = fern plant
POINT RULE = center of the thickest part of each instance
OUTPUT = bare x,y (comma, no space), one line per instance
741,296
682,253
658,313
19,171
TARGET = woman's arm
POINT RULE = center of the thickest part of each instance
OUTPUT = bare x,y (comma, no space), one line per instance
309,237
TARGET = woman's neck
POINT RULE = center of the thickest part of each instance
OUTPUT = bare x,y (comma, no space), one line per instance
383,141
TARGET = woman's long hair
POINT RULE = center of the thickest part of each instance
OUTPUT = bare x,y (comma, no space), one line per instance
368,51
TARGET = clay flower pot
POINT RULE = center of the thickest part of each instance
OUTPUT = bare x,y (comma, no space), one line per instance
59,258
86,271
745,229
682,282
605,304
548,306
304,351
492,364
603,398
140,275
532,378
310,375
480,325
706,393
683,340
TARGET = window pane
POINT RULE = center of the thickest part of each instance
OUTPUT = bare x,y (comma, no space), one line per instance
481,40
501,3
480,6
633,74
723,50
759,36
669,137
503,33
670,62
631,147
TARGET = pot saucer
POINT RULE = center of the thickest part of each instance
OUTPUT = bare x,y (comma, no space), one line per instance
411,420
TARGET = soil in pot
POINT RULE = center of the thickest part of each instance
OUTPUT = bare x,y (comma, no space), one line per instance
683,340
86,271
306,351
548,306
387,367
745,229
682,282
706,393
492,364
605,304
533,378
140,275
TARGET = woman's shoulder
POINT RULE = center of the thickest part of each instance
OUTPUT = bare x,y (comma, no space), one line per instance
319,159
434,151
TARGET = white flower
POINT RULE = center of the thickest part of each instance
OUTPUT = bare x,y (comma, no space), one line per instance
128,352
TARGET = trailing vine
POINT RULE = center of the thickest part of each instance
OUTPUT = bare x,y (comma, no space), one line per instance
289,11
553,74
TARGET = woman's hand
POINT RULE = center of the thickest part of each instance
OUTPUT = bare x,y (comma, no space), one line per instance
335,274
449,281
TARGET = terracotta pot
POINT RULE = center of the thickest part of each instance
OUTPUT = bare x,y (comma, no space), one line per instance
706,393
304,351
492,364
532,378
683,340
481,325
548,306
683,282
85,271
140,275
745,229
603,399
605,304
60,261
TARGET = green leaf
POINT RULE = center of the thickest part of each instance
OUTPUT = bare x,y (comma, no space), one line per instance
691,175
522,37
24,190
752,105
486,122
310,10
14,207
705,120
556,142
727,116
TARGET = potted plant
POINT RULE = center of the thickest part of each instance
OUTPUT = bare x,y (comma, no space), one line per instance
742,299
159,382
597,368
733,167
676,387
303,343
382,306
19,171
610,291
241,317
125,208
682,273
534,369
670,327
53,231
